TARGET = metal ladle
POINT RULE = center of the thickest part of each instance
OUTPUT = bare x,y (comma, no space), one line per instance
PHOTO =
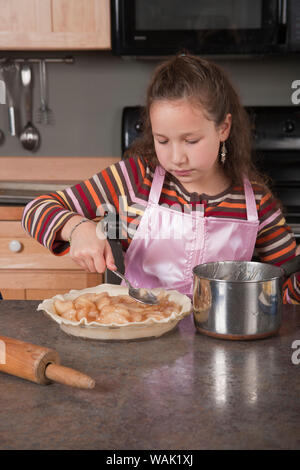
30,137
141,295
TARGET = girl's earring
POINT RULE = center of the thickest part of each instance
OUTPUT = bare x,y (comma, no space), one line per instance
223,153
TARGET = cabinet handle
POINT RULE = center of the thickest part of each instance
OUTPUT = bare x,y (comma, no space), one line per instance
15,246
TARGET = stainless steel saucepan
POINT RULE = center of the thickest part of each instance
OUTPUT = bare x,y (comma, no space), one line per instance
240,299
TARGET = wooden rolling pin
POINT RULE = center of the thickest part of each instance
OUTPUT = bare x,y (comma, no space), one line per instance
38,364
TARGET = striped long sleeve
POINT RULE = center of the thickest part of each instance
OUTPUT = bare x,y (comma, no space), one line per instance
276,244
123,190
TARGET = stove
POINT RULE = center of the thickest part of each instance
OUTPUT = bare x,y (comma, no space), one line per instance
276,151
276,139
20,193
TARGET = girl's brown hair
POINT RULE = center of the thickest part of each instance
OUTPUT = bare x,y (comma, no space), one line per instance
203,83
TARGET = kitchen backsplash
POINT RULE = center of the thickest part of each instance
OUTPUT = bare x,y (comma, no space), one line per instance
87,98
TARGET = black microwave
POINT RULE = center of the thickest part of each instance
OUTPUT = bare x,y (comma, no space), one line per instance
165,27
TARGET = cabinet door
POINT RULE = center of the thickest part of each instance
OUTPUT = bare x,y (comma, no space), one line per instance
28,270
54,24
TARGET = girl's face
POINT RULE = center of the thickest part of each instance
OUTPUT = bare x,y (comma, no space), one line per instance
187,144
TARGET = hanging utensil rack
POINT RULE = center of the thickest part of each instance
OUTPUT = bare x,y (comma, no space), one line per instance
16,61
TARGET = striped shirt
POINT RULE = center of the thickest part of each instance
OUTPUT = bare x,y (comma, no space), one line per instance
123,190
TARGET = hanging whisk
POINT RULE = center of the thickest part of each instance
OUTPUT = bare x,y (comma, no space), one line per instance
45,114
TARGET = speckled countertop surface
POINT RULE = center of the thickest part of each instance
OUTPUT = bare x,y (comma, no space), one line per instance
181,391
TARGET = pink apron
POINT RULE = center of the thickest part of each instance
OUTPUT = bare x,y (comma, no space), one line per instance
169,243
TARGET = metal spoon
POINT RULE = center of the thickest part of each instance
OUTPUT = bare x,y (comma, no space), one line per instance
30,137
141,295
9,72
2,92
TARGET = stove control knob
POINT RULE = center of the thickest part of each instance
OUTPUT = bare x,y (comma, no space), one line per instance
289,126
15,246
138,126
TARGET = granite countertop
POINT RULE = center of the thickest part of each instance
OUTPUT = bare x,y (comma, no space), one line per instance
181,391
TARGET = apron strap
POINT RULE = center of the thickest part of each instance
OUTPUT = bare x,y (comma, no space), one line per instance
158,181
157,184
250,201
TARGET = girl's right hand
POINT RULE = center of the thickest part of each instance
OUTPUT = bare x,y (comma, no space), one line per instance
91,252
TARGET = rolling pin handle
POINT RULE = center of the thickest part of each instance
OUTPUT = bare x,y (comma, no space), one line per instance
66,376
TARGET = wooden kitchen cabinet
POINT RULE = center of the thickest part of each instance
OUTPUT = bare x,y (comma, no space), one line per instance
54,24
32,272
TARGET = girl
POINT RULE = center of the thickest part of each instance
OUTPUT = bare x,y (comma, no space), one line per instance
187,194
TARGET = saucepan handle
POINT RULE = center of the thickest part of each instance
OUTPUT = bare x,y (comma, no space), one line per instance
292,266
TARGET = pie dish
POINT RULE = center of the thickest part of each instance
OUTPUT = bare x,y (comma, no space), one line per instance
149,328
